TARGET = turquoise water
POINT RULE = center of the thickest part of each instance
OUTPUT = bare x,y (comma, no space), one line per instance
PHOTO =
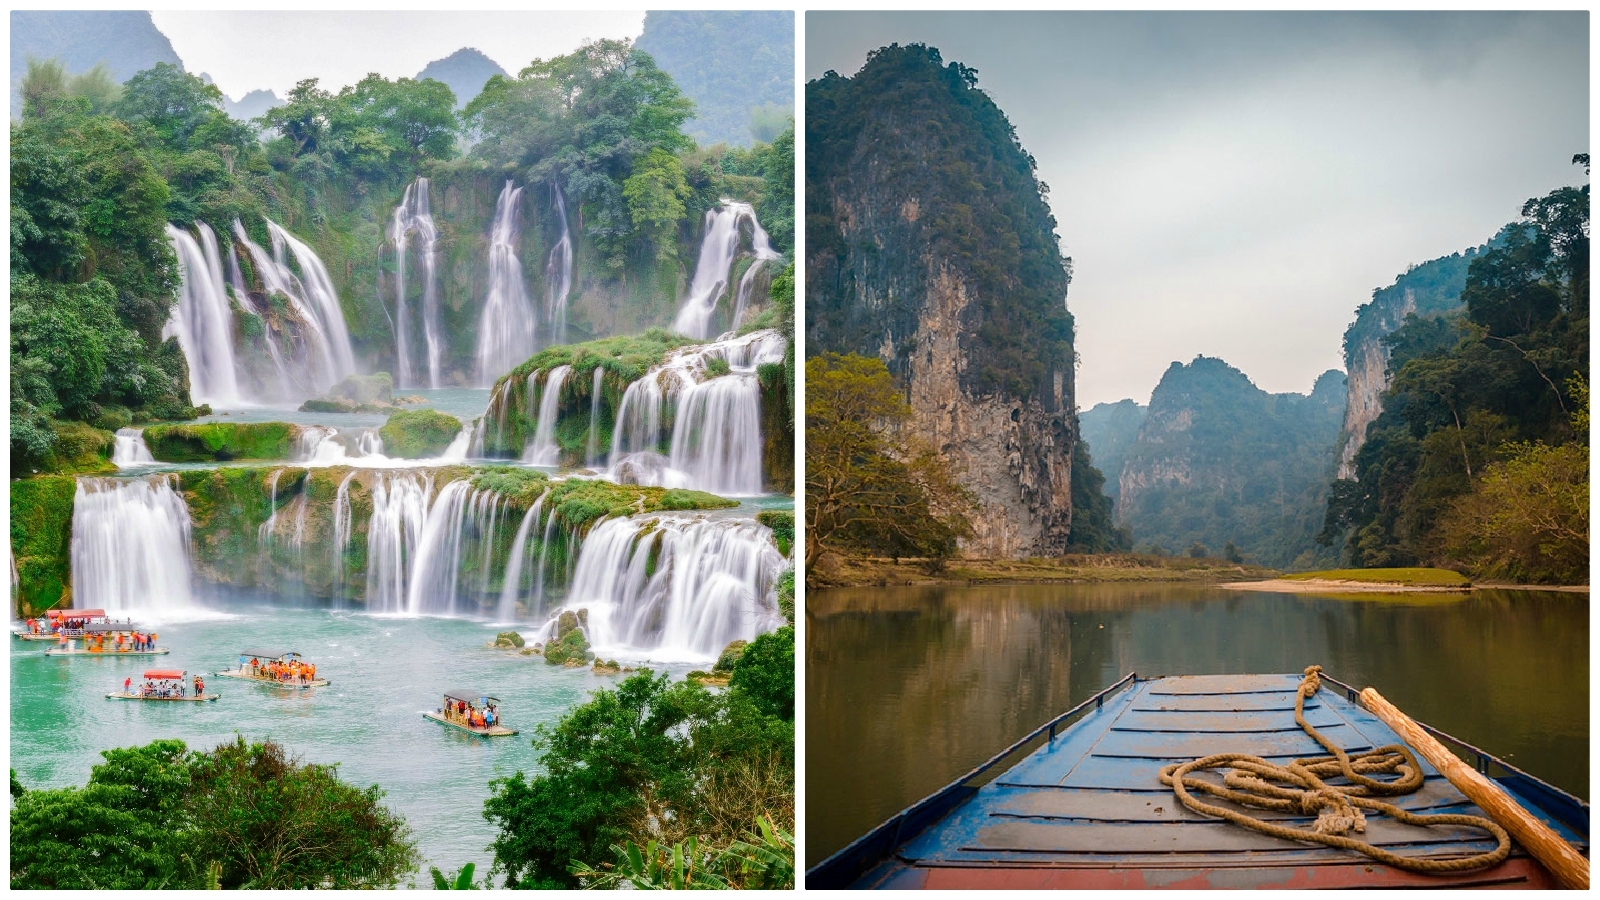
465,404
384,671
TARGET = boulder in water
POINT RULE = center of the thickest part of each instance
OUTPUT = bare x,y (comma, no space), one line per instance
644,468
509,640
571,649
355,394
606,667
718,679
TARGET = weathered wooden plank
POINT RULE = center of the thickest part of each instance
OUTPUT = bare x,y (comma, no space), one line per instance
1513,874
1095,806
1218,722
1191,745
1231,685
1033,835
1282,701
1135,773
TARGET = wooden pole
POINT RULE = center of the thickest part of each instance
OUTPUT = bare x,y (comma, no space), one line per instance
1561,858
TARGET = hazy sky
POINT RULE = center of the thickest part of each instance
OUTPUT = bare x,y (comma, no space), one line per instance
244,51
1236,184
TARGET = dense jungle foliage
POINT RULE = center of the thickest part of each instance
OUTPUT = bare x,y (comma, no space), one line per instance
913,174
99,169
1218,461
657,769
239,816
1480,457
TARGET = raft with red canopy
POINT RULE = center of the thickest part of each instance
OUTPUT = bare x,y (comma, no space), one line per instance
164,686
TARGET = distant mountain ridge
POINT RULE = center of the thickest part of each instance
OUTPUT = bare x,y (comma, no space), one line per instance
466,71
124,42
1110,429
1219,460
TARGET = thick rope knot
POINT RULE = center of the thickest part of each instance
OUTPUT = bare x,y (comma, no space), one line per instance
1300,788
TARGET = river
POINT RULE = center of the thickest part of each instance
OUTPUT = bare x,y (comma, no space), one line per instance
908,688
384,671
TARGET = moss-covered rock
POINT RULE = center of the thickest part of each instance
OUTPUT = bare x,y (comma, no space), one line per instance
730,656
570,650
509,640
786,595
716,679
418,433
357,394
777,423
606,667
222,441
41,541
78,448
781,521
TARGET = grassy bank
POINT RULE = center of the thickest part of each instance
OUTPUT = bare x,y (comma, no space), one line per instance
1075,569
1411,576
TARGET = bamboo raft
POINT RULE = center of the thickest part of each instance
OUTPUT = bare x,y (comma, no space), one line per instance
74,651
496,731
243,675
119,695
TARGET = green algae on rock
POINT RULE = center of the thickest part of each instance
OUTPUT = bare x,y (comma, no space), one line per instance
41,541
222,441
418,433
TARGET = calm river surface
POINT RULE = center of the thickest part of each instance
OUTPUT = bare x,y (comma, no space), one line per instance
384,672
909,688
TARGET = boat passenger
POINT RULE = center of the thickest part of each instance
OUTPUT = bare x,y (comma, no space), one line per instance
127,685
199,686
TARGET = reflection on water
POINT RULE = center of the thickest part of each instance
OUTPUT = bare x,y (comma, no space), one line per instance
908,688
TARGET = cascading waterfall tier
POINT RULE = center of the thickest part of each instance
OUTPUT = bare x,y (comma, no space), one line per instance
413,216
507,330
130,450
543,449
713,272
202,320
427,554
671,587
130,546
558,275
716,434
312,297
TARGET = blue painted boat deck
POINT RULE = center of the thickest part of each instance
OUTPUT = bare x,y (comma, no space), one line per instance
1089,807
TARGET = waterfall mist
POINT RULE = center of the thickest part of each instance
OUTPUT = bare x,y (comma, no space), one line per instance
413,216
202,320
558,275
713,271
130,546
507,330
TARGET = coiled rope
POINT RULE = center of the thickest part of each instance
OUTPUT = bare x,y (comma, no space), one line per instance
1298,787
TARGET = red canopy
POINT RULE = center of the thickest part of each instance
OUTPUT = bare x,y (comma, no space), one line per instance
163,673
75,613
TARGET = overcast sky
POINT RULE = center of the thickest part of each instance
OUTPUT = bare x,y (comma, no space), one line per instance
1236,184
245,51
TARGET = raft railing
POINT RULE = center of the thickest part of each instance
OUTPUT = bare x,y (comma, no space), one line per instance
842,868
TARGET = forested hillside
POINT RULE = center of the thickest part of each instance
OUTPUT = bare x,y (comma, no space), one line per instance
1221,467
1480,456
736,66
1110,429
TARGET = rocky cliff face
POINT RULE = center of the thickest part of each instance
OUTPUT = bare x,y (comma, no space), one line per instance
1219,460
930,245
1432,288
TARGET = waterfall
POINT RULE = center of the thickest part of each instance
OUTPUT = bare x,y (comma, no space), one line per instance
203,320
507,330
716,435
343,520
558,275
512,585
130,449
422,555
394,534
413,215
591,456
313,299
286,385
713,272
324,445
543,450
130,545
675,587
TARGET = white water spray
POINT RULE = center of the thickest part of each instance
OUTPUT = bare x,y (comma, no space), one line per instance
414,216
130,449
558,275
713,272
507,330
543,449
202,320
130,546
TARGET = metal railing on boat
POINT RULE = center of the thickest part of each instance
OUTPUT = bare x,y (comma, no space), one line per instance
844,867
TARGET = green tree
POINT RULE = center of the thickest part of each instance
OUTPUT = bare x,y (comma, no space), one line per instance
655,193
861,493
765,673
